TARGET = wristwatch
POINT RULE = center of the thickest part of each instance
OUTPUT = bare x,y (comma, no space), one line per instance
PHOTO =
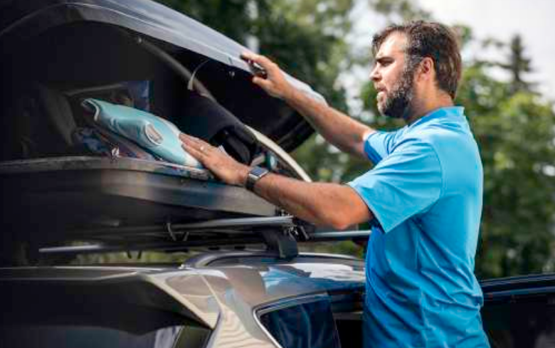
255,174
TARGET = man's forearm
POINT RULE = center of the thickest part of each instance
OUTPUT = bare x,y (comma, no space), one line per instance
320,203
336,127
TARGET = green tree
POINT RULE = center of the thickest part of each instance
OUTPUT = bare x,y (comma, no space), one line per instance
515,132
306,36
518,65
399,10
230,17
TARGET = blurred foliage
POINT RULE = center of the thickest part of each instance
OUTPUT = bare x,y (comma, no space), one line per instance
226,16
515,130
513,124
304,36
518,66
132,258
343,247
397,11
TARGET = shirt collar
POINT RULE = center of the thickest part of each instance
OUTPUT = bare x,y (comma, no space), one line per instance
449,111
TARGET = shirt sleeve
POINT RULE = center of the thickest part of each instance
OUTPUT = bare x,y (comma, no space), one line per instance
405,183
378,145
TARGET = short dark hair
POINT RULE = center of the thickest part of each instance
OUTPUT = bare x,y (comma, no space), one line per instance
434,40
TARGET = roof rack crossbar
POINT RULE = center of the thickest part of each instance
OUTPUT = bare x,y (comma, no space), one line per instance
143,246
280,242
276,221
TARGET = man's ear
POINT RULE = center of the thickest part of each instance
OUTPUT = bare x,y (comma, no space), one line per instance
427,69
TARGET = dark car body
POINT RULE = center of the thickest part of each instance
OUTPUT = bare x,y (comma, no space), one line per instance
520,311
248,285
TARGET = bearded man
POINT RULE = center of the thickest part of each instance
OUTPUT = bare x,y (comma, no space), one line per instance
423,196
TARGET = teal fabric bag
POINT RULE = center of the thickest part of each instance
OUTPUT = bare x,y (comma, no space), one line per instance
153,133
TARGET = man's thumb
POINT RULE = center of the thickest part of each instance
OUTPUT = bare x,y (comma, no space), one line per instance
261,82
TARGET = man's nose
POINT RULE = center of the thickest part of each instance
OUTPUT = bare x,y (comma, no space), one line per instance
374,74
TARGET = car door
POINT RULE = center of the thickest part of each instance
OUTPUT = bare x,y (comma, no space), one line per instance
520,312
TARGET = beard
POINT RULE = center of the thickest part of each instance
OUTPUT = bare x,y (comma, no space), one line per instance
398,103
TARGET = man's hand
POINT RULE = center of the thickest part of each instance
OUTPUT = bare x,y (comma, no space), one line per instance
220,164
275,82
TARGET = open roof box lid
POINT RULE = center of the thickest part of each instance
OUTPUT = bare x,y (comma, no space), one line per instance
57,52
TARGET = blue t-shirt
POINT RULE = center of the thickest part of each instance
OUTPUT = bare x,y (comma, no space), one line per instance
426,195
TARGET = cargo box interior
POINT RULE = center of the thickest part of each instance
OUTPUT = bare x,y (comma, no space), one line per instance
52,186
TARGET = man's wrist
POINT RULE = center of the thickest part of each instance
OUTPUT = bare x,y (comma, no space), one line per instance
290,96
253,176
243,175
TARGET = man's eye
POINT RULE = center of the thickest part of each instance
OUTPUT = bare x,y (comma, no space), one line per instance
383,62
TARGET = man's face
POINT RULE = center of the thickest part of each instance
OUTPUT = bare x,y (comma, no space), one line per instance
393,81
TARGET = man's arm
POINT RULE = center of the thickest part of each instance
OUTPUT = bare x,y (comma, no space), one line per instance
320,203
337,128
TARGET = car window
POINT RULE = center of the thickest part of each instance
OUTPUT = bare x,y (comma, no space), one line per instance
302,325
525,323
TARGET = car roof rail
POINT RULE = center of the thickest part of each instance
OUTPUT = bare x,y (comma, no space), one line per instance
207,259
231,258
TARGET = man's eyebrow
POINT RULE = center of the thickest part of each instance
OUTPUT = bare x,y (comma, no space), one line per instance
383,59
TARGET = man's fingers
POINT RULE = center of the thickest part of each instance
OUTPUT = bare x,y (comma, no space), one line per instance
264,62
250,57
198,148
262,82
193,152
200,155
246,55
190,140
185,138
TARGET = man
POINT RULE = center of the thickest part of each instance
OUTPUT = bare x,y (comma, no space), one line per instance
424,195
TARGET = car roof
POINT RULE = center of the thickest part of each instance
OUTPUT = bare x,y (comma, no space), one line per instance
309,272
200,293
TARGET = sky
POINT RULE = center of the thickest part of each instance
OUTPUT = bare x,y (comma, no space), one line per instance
534,20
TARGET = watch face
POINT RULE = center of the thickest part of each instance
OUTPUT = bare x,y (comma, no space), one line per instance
257,171
254,175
